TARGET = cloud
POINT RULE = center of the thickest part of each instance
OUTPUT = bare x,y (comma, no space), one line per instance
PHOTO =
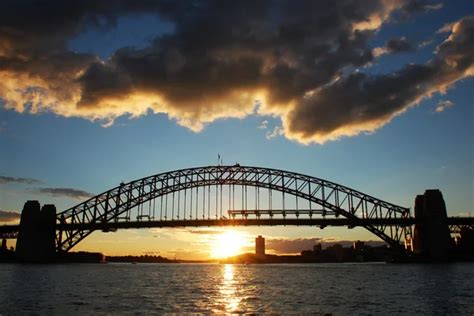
184,254
206,231
293,246
394,45
3,126
465,214
263,125
425,43
227,60
9,216
65,192
413,7
218,62
5,180
200,237
446,28
277,131
443,105
363,103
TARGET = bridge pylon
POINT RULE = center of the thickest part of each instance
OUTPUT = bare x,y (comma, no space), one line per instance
36,237
431,238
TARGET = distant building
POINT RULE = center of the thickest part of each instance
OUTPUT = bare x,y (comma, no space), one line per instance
358,245
336,252
317,248
467,240
260,246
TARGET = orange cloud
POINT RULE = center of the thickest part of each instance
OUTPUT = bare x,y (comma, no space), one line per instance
252,62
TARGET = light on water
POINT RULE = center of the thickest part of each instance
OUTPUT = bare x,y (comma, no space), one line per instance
229,298
214,288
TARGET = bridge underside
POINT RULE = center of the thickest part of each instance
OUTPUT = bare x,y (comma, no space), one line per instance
456,224
339,222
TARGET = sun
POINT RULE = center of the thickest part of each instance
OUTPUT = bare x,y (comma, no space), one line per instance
227,244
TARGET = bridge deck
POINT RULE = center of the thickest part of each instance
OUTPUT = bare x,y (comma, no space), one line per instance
10,231
239,222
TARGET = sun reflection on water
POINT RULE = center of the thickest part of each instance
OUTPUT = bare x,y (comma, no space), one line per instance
228,289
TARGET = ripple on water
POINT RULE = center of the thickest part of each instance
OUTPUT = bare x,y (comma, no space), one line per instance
280,289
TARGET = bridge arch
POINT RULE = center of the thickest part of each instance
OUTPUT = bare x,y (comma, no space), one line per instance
116,205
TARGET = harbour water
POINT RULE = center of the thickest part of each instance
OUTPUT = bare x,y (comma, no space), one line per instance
218,288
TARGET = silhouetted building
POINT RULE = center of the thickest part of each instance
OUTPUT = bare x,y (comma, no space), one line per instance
358,252
81,257
466,240
358,245
36,237
336,252
317,248
260,246
431,236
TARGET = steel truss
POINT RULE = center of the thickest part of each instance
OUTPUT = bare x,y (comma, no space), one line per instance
9,235
457,229
333,199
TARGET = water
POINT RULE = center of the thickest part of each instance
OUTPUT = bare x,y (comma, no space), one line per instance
212,288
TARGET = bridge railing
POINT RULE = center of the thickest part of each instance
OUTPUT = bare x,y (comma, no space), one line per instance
272,213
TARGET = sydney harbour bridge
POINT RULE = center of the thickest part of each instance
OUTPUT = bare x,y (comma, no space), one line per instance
231,196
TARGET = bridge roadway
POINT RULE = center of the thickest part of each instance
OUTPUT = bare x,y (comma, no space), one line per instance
11,231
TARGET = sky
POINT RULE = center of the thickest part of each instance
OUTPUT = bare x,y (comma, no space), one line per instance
375,95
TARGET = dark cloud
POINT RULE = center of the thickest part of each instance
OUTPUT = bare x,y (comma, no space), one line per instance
222,59
65,192
361,102
5,179
396,45
31,29
9,216
292,246
393,45
222,49
412,7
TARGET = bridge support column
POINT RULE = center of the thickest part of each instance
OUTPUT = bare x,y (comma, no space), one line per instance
431,235
36,237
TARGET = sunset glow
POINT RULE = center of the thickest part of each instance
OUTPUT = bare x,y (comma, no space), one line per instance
236,157
227,244
126,91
